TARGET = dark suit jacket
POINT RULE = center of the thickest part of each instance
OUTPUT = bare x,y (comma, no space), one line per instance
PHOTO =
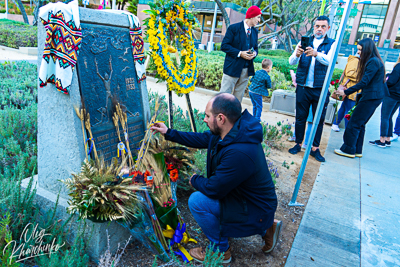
371,83
234,42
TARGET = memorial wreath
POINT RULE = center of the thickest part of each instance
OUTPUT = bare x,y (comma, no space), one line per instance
169,29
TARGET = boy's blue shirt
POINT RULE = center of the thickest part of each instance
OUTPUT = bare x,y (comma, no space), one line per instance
260,83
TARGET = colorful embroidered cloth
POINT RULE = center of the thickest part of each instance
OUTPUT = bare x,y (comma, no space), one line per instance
137,46
63,40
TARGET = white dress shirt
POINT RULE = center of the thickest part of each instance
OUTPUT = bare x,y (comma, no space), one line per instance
321,57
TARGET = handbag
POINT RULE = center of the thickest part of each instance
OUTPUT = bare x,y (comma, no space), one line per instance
341,87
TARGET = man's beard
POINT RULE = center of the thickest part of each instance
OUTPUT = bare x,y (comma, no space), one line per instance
319,37
216,130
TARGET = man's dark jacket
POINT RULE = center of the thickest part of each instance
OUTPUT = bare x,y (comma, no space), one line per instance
372,82
238,176
394,83
234,42
319,69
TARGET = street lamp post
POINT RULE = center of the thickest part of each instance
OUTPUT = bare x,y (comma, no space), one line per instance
210,46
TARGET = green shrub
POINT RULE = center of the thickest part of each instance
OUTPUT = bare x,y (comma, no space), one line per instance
210,71
18,119
18,141
16,34
18,84
274,53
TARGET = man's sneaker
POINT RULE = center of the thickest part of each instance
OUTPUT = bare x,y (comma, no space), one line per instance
294,150
377,143
304,146
394,137
292,139
388,143
271,236
341,153
199,254
335,128
317,155
358,155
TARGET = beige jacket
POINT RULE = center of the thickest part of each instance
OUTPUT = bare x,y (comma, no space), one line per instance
350,73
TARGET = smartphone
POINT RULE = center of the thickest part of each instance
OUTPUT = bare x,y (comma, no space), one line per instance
305,42
251,51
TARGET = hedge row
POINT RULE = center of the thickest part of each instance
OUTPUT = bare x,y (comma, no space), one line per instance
16,34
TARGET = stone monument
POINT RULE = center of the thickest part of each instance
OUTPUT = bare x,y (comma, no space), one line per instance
105,73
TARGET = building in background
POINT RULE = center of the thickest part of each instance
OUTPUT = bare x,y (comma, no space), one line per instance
379,20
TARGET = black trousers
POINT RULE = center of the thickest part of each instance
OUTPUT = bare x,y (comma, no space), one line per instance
353,137
306,96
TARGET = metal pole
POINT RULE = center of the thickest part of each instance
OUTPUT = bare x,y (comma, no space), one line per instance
211,43
6,8
321,102
114,4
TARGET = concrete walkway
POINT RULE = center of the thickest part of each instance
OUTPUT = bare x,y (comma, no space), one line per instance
352,217
10,55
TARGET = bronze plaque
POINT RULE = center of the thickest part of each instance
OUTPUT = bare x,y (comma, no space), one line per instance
107,75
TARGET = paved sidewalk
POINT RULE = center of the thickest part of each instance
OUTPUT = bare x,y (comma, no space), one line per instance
352,217
7,55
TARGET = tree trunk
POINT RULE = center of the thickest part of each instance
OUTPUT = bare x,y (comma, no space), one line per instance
224,14
23,12
289,41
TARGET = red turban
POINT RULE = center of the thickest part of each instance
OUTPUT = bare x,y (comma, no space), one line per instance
252,12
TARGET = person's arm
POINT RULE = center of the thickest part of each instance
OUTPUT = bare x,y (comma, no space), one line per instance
370,71
226,45
324,59
196,140
235,168
394,77
293,59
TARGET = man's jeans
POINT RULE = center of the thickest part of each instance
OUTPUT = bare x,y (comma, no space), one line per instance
206,212
397,125
256,100
389,107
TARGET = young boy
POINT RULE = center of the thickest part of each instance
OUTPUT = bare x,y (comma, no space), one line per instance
259,87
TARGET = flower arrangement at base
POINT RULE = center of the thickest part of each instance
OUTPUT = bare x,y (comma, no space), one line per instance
170,24
98,193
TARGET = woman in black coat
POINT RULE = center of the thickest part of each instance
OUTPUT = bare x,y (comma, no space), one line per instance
390,105
371,77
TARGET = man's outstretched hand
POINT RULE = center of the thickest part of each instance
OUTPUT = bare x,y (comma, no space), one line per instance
159,127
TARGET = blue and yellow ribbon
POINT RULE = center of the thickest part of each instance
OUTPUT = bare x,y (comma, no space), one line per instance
91,145
179,236
121,149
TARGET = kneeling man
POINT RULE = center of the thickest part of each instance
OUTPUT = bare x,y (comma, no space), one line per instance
237,198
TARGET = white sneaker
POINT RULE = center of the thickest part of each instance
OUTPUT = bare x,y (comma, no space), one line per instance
304,146
292,139
335,128
394,137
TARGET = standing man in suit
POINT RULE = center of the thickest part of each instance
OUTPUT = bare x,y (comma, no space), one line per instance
240,46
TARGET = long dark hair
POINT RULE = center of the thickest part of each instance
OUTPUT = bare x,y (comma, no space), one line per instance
368,51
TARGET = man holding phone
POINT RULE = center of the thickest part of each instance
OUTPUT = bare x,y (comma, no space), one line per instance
312,55
240,46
